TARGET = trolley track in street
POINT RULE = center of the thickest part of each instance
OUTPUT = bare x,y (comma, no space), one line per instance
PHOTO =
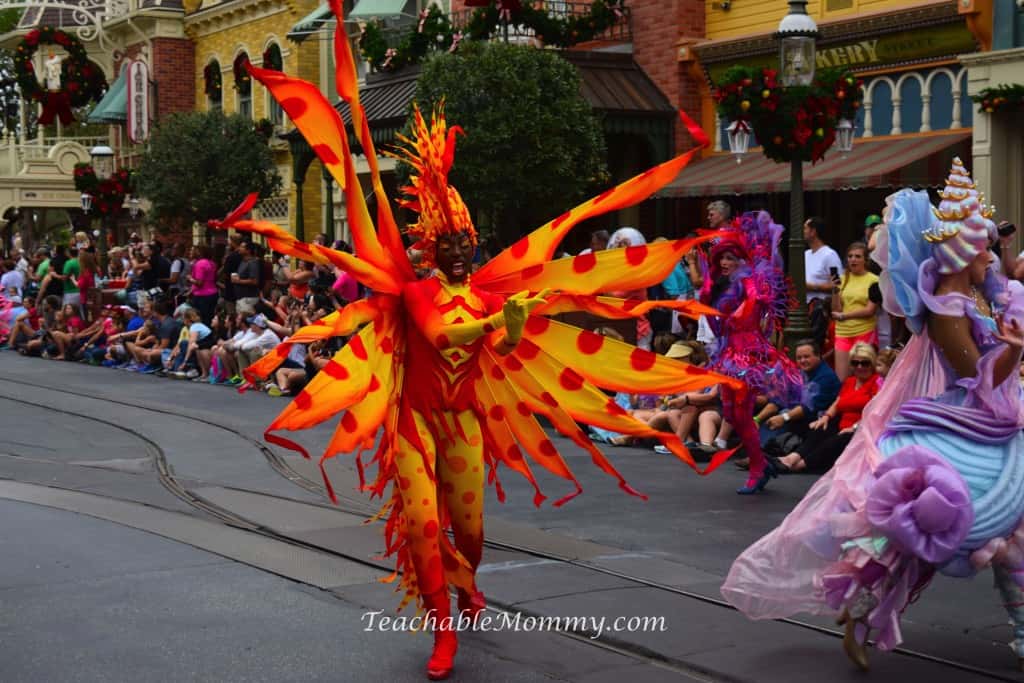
280,465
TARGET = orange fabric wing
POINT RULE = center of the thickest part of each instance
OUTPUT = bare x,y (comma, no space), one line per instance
618,309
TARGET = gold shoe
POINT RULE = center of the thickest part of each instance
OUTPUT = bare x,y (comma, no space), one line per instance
854,649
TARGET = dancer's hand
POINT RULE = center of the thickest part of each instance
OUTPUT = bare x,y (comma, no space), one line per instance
517,309
1010,332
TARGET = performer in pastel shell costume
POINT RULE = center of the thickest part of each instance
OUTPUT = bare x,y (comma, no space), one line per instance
452,370
933,480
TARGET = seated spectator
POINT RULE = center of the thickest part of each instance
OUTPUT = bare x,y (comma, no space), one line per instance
293,373
149,360
886,357
25,325
198,347
259,341
66,332
700,409
832,432
49,320
789,424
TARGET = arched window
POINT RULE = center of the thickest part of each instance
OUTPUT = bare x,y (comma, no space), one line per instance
243,85
212,85
272,59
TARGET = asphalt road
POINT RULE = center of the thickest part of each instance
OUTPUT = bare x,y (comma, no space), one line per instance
102,599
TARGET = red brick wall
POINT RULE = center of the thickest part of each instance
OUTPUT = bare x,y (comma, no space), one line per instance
174,73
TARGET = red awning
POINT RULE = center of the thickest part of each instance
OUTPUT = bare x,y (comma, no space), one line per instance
912,161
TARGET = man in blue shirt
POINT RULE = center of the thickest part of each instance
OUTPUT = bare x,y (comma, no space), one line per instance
821,386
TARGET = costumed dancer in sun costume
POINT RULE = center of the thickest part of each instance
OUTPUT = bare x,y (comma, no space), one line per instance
746,282
933,479
451,370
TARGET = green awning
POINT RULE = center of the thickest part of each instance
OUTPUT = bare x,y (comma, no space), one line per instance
113,108
310,23
371,9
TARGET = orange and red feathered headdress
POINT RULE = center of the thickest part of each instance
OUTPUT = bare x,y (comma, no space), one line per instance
441,210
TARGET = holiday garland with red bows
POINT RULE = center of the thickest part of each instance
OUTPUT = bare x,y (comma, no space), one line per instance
81,80
107,195
1001,98
435,31
212,80
797,122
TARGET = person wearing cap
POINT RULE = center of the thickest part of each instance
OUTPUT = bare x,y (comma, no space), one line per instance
701,409
871,224
262,340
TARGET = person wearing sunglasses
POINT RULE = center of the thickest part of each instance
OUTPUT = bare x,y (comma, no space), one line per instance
830,433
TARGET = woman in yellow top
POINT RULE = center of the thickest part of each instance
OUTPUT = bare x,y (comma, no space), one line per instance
852,308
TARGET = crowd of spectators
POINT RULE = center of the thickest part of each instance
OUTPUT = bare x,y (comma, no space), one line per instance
171,310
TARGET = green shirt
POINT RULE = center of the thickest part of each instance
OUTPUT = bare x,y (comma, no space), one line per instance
71,269
43,269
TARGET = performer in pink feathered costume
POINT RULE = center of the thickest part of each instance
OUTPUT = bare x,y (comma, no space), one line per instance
933,480
746,282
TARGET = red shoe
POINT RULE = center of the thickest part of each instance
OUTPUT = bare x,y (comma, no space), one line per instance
442,659
472,603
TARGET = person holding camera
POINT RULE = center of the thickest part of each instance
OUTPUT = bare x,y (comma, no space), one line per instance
853,308
820,260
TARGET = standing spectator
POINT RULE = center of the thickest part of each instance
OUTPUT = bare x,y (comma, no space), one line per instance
598,242
12,283
852,308
871,224
203,279
820,263
246,281
176,282
829,435
719,214
87,291
52,283
23,264
299,280
70,274
229,266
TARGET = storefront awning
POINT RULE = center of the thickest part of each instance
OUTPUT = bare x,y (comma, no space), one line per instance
310,23
113,108
371,9
911,161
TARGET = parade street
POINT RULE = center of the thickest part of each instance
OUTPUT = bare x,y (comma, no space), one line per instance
148,532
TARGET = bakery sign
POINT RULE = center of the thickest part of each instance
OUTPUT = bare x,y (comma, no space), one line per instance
943,40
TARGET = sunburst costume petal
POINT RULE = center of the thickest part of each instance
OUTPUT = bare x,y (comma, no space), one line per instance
426,368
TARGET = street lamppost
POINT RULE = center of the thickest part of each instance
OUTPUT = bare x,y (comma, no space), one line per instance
133,207
797,35
103,167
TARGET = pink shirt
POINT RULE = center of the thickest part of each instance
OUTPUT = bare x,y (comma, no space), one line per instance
346,287
205,272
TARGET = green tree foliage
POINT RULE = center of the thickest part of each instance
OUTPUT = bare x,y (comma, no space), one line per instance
200,165
533,147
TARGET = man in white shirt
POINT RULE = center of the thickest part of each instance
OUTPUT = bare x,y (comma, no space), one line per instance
820,263
12,282
260,340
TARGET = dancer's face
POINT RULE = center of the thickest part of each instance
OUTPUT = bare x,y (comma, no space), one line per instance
979,266
728,263
454,255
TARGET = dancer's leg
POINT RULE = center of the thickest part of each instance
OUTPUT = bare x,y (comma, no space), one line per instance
738,410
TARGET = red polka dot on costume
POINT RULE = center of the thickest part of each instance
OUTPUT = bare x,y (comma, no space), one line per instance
457,464
519,249
636,255
426,501
537,324
349,422
430,529
335,370
468,497
642,359
549,399
523,409
527,350
584,262
497,413
404,483
570,380
513,363
497,373
547,448
589,342
358,348
533,271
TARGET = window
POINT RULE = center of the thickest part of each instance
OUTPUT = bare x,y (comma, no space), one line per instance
272,59
212,85
243,85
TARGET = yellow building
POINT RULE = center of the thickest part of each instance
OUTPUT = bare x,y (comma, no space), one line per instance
225,34
915,117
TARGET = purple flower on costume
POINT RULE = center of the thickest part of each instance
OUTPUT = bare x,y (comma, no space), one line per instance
921,503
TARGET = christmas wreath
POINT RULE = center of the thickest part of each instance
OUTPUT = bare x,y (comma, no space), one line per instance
435,31
81,81
211,80
243,81
790,123
107,195
1000,98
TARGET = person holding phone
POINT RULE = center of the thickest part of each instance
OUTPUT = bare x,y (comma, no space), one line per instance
819,260
852,307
